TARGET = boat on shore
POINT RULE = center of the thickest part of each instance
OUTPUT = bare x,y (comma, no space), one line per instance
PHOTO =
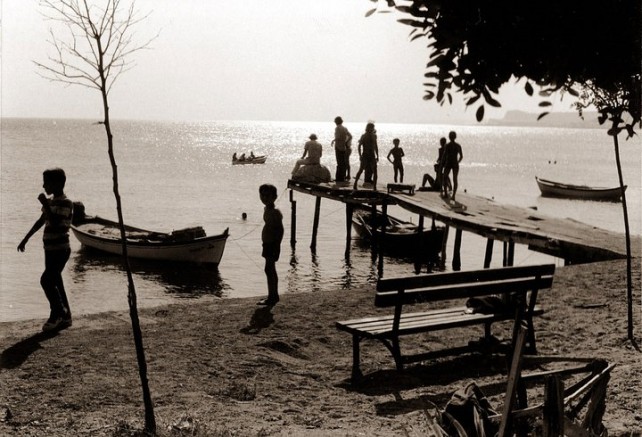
400,238
557,189
190,245
250,160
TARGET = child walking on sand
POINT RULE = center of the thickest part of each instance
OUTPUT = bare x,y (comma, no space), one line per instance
56,218
271,236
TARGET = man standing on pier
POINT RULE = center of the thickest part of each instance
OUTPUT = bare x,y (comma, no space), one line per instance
451,159
341,139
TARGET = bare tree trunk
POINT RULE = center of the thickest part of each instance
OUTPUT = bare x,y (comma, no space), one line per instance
629,279
150,421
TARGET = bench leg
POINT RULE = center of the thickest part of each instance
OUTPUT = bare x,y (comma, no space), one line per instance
356,360
396,353
487,332
530,338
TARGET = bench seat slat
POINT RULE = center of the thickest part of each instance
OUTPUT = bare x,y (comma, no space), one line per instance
425,321
390,317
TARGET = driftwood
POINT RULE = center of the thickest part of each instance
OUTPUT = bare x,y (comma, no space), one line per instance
561,410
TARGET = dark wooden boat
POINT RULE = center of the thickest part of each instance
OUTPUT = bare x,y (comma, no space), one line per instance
557,189
184,245
400,238
255,160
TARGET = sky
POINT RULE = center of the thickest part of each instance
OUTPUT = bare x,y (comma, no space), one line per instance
285,60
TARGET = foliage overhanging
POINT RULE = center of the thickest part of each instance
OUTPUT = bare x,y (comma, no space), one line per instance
477,46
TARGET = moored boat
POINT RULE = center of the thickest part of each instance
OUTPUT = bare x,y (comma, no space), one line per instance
556,189
400,238
184,245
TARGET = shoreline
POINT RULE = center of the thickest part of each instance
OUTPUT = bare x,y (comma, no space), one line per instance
228,367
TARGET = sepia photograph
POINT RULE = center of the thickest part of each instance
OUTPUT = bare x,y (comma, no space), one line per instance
320,218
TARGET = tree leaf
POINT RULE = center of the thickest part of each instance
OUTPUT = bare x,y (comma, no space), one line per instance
492,102
528,88
370,12
479,115
435,61
545,103
542,115
413,23
572,92
472,100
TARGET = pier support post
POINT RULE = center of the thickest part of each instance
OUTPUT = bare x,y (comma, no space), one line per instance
292,220
420,245
374,243
509,253
384,213
349,211
444,244
489,252
315,225
457,251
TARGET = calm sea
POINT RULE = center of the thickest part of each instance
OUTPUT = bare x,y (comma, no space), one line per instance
175,175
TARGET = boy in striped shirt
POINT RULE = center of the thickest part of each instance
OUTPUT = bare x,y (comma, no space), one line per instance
56,217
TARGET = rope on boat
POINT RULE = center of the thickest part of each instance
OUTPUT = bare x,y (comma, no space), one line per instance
248,256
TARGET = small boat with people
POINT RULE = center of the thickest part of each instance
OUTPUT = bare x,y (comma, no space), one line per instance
252,159
399,237
190,245
557,189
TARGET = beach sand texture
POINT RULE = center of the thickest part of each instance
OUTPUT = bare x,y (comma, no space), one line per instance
229,367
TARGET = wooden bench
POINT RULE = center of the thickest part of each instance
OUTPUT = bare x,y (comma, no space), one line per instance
400,188
521,283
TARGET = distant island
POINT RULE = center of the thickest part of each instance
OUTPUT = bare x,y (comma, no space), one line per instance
553,119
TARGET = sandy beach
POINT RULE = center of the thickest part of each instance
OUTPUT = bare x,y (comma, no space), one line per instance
228,367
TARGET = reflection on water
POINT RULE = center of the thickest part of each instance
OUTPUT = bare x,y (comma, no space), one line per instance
183,280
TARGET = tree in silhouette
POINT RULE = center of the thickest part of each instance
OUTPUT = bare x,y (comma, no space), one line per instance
93,52
587,49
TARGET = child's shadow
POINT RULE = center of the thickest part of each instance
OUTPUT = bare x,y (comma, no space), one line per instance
17,354
262,318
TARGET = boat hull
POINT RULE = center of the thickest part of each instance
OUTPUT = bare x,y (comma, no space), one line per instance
556,189
401,238
103,235
256,160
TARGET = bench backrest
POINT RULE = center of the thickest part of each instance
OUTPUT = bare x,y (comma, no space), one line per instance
454,285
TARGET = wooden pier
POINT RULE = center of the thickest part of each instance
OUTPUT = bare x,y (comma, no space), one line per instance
568,239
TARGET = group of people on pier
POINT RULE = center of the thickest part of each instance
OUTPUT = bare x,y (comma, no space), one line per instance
449,156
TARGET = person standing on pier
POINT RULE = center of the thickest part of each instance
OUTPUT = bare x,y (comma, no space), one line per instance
341,139
397,153
368,155
453,155
271,236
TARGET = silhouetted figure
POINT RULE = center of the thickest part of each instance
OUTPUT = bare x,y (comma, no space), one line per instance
397,153
341,139
368,154
56,217
451,159
271,237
